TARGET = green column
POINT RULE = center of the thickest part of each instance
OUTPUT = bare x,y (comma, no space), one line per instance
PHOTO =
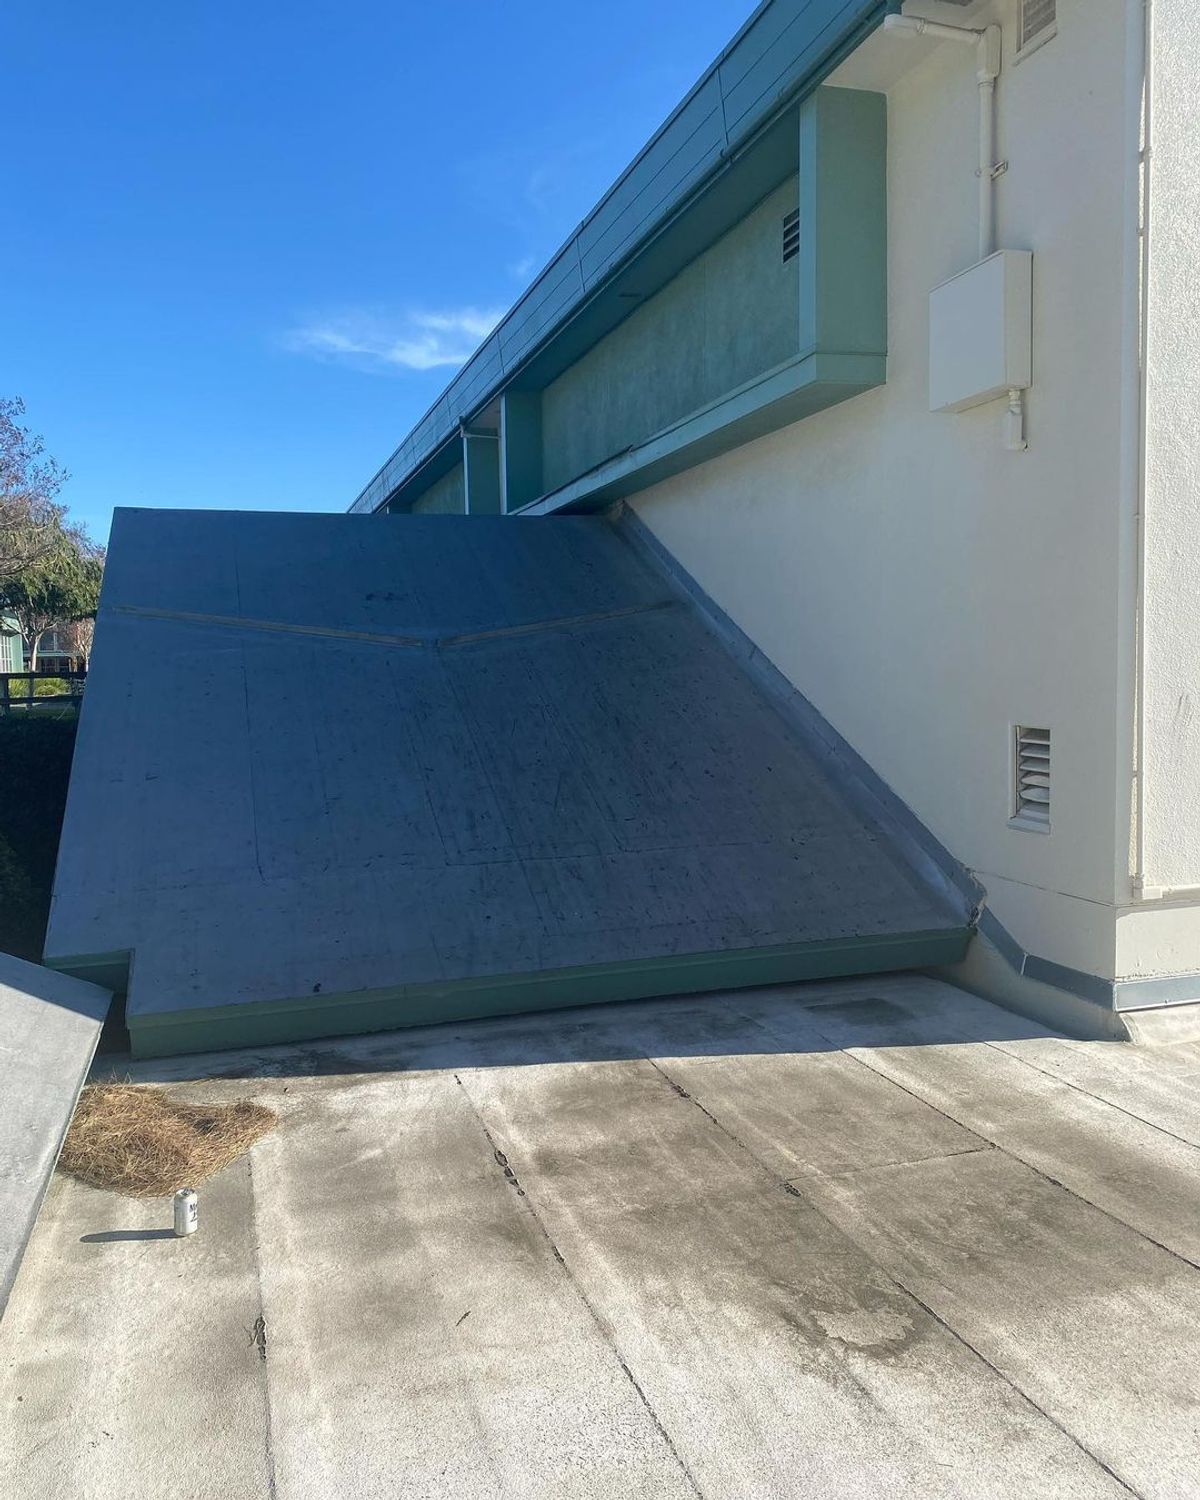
481,473
520,448
843,222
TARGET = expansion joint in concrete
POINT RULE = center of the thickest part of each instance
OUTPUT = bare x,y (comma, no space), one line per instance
793,1188
606,1332
1016,1154
1083,1093
258,1337
1024,1395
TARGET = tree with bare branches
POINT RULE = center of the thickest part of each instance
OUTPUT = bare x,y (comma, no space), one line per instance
32,521
78,637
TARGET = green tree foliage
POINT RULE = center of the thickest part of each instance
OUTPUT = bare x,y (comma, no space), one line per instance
63,585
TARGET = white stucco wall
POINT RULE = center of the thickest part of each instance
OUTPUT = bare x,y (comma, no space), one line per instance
1160,936
1172,570
924,587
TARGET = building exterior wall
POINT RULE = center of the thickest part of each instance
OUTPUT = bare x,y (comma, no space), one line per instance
1160,935
732,314
924,587
12,651
444,497
1172,510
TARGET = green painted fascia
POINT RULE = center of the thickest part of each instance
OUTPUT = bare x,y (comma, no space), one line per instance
782,396
302,1019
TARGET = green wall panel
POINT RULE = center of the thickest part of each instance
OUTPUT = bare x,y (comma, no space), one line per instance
444,497
481,468
730,315
714,138
520,448
678,379
843,222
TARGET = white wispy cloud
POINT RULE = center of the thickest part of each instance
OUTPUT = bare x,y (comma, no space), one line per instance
523,269
413,340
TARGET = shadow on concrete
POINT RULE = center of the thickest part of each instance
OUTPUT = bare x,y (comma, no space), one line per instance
114,1236
890,1010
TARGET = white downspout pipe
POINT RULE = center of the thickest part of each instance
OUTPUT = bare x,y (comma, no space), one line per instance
987,164
986,72
987,69
987,44
1139,53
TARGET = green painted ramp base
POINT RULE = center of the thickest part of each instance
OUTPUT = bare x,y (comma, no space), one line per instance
261,1023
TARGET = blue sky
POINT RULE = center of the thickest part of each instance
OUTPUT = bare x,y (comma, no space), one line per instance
247,244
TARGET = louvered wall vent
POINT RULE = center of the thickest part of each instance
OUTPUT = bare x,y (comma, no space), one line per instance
791,234
1038,23
1032,778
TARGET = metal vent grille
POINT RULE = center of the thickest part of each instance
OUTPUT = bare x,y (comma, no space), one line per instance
1038,18
1032,776
791,234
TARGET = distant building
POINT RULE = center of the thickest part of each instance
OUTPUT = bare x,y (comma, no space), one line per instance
12,651
57,652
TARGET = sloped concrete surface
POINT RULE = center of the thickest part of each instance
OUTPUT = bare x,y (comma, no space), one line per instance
49,1027
837,1240
329,757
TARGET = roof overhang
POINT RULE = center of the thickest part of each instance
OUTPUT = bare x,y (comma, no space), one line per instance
731,141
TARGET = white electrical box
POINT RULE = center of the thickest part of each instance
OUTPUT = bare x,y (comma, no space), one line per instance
981,332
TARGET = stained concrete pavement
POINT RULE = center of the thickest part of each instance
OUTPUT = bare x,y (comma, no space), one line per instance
828,1240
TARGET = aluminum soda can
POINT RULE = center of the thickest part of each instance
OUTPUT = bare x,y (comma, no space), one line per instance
187,1212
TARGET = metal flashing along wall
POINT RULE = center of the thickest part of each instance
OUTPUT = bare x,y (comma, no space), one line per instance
733,140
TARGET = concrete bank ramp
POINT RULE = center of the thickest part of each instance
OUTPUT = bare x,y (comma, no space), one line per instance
49,1027
341,773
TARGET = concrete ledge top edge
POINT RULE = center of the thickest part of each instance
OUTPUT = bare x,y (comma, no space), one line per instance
35,981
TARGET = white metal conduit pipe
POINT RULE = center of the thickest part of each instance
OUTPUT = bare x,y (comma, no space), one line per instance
987,69
987,44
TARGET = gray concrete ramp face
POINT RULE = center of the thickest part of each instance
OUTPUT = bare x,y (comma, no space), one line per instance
341,773
49,1027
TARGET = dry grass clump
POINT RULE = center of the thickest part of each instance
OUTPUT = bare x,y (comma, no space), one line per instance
137,1141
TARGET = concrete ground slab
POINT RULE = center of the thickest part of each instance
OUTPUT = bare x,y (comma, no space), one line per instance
1095,1323
421,1330
1158,1085
705,1247
163,1391
1100,1151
